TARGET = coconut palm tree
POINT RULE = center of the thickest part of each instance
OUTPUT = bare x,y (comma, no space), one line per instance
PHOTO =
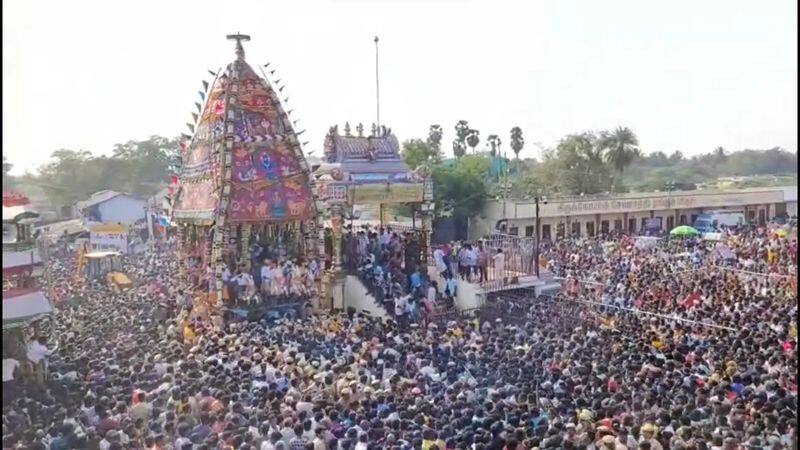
473,139
494,143
620,148
517,141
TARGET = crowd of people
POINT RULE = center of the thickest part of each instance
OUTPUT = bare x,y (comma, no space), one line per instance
261,280
646,347
391,267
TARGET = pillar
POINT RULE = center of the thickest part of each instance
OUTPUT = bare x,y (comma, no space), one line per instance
335,280
244,244
427,231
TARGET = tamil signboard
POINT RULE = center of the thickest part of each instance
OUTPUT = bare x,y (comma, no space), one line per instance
109,237
388,193
653,203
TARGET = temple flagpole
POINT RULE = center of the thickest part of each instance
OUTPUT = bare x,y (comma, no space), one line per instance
377,87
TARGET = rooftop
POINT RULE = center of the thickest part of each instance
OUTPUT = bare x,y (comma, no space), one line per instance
359,155
100,197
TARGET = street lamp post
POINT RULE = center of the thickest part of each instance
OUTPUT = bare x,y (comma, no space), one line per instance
670,188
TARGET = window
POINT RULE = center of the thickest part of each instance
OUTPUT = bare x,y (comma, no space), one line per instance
604,226
694,218
644,223
762,217
631,225
545,231
576,229
529,230
590,229
670,222
618,225
560,230
514,231
682,220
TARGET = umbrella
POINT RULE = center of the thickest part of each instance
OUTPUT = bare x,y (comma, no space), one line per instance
683,230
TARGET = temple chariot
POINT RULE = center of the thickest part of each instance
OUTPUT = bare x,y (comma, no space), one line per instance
244,179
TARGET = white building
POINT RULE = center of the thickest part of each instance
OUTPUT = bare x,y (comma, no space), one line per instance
586,216
112,207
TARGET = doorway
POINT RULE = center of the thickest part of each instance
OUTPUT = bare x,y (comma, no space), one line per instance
546,232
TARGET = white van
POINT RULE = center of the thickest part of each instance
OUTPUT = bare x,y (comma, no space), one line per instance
710,221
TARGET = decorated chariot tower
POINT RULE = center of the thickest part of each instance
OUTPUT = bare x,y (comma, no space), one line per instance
243,175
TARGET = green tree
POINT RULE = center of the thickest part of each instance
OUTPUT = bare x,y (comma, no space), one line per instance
435,140
459,148
517,141
720,154
462,131
676,157
460,187
417,152
494,143
579,161
137,167
620,147
473,139
8,179
70,176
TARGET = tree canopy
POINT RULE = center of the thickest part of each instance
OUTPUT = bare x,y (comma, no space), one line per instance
416,152
581,163
136,167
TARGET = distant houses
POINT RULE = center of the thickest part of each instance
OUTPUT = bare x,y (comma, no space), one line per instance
112,207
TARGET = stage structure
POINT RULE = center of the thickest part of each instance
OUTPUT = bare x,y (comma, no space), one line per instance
367,170
244,178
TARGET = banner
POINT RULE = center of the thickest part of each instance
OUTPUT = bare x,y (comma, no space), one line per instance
391,193
109,241
653,224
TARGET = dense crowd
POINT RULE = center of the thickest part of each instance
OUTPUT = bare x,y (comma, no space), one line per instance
261,279
647,347
391,267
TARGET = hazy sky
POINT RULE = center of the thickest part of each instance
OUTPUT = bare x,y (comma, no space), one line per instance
684,75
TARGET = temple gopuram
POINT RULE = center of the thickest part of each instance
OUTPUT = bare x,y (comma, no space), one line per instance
368,170
244,178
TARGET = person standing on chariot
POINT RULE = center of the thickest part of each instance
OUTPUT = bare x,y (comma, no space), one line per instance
297,280
277,286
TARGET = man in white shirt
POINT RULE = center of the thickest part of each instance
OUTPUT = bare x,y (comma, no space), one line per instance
472,261
9,367
385,237
438,256
400,306
37,354
432,293
500,265
10,390
242,280
266,276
